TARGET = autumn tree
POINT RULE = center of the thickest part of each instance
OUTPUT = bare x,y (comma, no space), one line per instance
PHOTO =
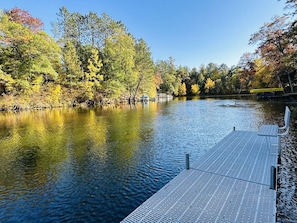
247,70
224,80
182,90
95,56
195,89
94,68
24,18
209,85
274,47
127,66
15,58
191,80
93,77
28,54
158,80
262,77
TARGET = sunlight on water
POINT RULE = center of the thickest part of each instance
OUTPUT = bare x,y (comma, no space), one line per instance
97,165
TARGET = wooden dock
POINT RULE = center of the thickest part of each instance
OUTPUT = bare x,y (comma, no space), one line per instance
230,183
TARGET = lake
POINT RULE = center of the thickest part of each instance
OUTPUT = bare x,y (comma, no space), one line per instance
98,165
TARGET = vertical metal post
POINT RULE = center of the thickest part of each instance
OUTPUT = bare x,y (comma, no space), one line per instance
279,146
273,178
187,161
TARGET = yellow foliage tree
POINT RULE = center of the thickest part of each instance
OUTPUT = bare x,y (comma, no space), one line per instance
210,84
182,90
93,77
55,93
263,75
36,84
195,89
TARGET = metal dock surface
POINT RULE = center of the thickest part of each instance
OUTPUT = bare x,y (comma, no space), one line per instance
230,183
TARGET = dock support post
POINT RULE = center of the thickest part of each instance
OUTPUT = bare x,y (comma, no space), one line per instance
273,178
187,161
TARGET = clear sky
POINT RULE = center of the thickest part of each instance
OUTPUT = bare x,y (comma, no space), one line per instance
193,32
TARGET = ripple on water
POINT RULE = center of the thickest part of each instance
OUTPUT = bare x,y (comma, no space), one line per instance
99,166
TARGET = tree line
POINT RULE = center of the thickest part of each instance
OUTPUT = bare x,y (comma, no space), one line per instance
95,60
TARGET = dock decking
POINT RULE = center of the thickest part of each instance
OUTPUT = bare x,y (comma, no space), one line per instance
230,183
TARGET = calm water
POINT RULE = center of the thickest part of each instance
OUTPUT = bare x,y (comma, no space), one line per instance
97,165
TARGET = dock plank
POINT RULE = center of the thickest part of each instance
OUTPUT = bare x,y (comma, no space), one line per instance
230,183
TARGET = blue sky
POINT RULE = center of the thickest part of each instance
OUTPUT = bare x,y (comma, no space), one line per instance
193,32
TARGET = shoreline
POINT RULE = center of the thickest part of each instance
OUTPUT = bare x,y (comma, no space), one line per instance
286,203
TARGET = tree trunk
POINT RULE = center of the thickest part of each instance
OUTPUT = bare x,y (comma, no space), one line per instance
138,85
290,82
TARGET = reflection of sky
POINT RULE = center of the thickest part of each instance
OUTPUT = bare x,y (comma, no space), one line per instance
201,123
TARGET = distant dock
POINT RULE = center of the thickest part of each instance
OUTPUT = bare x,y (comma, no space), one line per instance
235,181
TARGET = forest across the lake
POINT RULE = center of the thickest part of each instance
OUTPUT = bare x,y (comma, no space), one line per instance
93,60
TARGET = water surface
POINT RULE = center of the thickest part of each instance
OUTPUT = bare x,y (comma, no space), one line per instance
98,165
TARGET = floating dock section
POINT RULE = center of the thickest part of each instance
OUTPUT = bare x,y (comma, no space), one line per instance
235,181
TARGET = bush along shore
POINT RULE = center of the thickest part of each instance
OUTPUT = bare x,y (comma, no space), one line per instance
66,99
